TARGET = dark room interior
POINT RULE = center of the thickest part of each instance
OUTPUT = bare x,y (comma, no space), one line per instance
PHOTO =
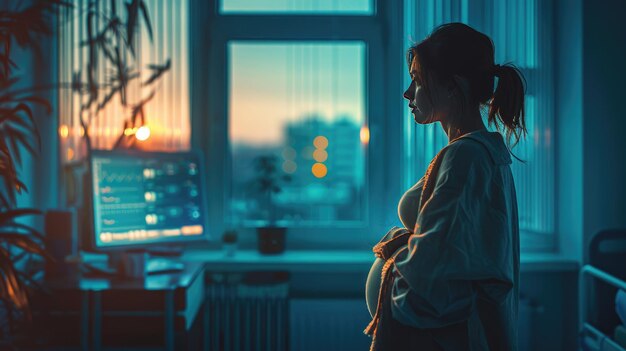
237,175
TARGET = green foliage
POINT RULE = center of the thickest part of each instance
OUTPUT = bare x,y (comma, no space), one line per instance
17,126
23,25
269,181
109,43
14,234
18,134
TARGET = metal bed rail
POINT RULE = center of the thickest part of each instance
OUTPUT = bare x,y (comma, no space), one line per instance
600,341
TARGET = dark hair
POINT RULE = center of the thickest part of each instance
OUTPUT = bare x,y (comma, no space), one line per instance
456,49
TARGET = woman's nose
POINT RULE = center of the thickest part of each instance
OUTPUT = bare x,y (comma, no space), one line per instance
407,94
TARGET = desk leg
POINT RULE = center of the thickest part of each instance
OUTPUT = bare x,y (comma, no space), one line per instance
169,320
206,327
84,321
96,331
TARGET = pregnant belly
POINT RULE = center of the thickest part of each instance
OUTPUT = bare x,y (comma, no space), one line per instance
372,286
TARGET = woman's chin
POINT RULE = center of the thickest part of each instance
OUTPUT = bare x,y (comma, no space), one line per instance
422,119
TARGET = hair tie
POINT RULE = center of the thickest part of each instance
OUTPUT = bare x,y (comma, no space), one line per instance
497,69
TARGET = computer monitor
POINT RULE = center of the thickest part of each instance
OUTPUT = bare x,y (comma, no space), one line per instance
143,199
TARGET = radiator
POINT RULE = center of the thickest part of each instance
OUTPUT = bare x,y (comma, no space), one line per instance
247,317
526,315
262,318
337,324
328,324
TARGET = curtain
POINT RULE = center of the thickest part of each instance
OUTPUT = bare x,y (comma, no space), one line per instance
522,34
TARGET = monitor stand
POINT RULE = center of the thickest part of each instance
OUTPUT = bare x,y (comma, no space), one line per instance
158,265
164,259
165,251
155,262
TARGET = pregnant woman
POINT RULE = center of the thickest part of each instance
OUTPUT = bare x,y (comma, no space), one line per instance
449,280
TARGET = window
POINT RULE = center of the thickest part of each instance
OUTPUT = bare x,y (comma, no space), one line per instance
521,31
329,7
295,88
167,113
303,105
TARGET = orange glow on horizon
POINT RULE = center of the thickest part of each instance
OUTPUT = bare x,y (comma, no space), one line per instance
64,131
143,133
70,154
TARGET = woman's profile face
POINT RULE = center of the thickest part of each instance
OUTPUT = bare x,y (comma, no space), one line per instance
419,102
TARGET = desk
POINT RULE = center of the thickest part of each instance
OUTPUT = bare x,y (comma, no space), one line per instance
300,261
292,261
160,306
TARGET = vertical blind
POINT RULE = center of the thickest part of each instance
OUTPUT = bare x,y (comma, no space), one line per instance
522,34
167,113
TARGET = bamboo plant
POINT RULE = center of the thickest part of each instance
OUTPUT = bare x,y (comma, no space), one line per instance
109,43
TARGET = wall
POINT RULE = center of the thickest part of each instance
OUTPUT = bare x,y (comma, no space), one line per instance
36,68
569,135
590,75
604,115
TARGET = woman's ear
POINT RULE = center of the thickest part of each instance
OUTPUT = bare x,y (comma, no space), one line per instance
460,85
459,94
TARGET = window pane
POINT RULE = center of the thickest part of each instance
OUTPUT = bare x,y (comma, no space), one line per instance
352,7
299,108
166,113
533,179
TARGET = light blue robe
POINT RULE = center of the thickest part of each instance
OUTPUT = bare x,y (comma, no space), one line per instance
462,262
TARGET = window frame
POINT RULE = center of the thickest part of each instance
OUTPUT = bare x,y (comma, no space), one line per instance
384,65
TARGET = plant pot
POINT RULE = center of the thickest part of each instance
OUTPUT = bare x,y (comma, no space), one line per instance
229,249
271,240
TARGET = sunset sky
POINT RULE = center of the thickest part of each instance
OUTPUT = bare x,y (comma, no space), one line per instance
272,83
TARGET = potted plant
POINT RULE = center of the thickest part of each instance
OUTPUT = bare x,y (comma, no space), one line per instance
269,180
229,239
18,135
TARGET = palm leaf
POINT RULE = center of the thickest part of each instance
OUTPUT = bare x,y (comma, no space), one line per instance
14,227
20,186
32,282
132,13
16,150
6,62
4,202
10,215
146,17
25,243
7,83
157,71
19,136
13,289
39,101
9,173
108,98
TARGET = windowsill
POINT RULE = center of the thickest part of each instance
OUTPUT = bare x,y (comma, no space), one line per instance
548,262
340,261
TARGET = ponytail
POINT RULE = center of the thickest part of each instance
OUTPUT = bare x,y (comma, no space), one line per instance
507,105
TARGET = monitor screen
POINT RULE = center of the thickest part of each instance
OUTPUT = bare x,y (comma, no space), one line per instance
146,198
